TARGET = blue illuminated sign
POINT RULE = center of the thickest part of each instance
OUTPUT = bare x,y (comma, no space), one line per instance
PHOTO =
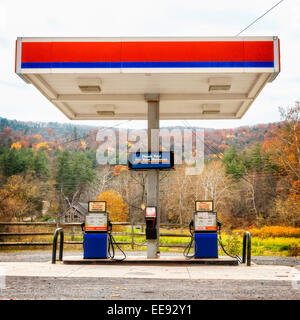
151,160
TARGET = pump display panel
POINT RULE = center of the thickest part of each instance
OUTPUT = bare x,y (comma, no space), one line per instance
96,221
204,205
151,160
97,206
150,212
205,221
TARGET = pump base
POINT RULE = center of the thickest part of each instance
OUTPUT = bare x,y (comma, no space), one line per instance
206,245
95,246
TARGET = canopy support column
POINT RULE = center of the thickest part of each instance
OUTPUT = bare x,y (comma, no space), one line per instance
153,174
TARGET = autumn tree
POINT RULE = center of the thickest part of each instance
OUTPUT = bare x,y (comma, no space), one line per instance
21,197
103,180
283,152
254,175
284,148
177,196
116,206
132,186
214,183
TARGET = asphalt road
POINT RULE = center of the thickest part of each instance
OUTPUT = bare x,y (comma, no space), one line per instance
157,289
49,288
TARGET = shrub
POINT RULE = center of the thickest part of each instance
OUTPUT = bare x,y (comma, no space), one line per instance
293,250
271,231
232,244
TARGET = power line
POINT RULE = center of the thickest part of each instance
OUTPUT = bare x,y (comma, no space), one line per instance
186,123
89,135
259,17
206,144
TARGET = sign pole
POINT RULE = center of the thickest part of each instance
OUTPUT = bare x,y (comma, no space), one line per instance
153,174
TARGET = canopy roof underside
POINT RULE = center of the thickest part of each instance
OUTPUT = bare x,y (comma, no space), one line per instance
107,78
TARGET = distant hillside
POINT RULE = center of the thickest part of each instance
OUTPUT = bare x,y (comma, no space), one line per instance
42,128
29,134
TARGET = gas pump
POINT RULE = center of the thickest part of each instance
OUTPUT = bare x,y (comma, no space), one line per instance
98,241
150,217
203,230
95,239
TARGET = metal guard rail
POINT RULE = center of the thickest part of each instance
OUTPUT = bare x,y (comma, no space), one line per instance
58,231
247,248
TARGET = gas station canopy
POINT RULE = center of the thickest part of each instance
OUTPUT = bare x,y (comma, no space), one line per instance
107,78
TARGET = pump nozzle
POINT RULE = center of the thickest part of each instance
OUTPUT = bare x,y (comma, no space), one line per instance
191,225
109,226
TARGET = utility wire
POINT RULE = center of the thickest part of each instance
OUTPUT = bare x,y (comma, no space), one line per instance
186,123
206,144
252,23
89,135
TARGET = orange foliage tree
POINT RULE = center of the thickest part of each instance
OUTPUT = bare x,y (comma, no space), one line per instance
118,169
37,137
116,206
283,150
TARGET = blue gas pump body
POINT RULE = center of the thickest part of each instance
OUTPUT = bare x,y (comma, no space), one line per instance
95,245
206,245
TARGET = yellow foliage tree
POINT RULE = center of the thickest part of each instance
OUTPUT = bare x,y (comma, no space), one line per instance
116,207
43,145
16,145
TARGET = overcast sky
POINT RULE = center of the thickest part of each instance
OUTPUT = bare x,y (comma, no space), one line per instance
58,18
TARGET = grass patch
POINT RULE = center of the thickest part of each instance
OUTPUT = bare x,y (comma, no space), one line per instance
273,246
262,244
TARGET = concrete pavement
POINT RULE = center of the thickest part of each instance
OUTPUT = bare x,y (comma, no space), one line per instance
201,272
43,280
